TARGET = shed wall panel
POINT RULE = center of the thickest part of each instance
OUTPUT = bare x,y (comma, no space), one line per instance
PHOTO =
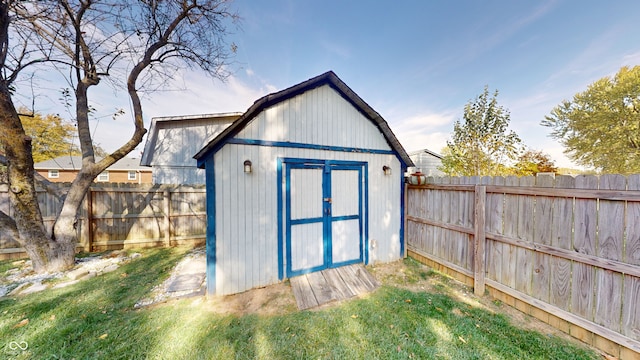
178,175
247,211
427,163
319,116
177,143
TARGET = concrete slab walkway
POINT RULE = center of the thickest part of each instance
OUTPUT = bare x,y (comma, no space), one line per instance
188,276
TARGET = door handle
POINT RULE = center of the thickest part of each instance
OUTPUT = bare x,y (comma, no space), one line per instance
328,199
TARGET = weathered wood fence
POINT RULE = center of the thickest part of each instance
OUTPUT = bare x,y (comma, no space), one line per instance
563,249
117,216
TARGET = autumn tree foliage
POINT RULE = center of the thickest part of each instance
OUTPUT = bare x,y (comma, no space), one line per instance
51,136
532,162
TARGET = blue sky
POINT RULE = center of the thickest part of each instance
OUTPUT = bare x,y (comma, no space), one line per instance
415,62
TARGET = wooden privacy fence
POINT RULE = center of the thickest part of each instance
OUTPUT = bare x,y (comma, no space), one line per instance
117,216
564,249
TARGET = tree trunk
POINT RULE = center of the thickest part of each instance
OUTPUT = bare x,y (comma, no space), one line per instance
27,223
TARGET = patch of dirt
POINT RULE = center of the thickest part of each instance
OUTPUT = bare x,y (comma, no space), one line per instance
275,299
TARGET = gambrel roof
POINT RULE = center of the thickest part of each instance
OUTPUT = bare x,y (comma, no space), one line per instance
328,78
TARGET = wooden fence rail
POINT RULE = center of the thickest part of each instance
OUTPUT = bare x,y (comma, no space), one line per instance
564,249
117,216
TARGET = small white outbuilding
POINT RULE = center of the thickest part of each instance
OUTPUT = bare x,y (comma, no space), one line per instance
308,178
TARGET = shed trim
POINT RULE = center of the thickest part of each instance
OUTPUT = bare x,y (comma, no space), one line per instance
211,227
328,78
287,144
280,221
402,217
427,151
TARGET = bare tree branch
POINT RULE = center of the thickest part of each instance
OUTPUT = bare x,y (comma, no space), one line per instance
136,45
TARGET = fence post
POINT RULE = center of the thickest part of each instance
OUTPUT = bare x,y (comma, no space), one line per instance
479,240
167,218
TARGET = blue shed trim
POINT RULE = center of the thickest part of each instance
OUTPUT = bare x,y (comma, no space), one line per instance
306,221
326,191
287,144
366,213
402,205
211,226
280,220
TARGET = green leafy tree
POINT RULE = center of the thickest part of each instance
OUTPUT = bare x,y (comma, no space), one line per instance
50,135
532,162
482,143
600,127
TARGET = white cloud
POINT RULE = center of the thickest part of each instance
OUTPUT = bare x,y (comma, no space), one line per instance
190,93
431,120
556,152
426,130
412,141
632,59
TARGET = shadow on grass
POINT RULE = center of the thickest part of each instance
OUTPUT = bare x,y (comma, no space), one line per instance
96,319
69,322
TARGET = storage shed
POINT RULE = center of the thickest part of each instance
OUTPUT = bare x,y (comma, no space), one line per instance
172,141
308,178
427,162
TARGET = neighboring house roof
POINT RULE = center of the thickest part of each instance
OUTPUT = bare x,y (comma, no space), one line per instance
425,151
75,163
198,138
328,78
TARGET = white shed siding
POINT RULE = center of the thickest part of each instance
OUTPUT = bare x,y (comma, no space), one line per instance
178,175
174,146
247,217
427,163
320,117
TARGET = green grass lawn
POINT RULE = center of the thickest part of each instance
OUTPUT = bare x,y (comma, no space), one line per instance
96,319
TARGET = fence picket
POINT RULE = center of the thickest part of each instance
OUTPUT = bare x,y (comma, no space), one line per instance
562,237
509,254
610,246
524,256
584,242
445,214
468,222
493,217
437,216
543,223
630,308
456,216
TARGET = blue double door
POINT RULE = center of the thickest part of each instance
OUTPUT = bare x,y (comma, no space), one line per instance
325,204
